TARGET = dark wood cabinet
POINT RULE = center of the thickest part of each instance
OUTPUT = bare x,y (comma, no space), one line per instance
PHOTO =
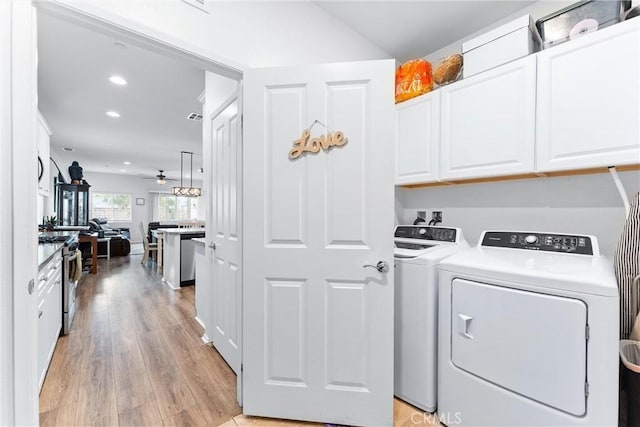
73,204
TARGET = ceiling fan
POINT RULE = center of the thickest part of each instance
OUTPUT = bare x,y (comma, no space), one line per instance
161,178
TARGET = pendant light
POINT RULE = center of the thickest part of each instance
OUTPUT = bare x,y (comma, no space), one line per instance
190,191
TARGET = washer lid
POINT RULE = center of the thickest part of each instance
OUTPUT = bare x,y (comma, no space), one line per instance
562,271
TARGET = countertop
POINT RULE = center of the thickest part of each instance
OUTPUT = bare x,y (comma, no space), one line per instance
200,240
197,230
46,251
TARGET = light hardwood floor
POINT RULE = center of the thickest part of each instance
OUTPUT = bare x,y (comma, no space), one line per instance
134,358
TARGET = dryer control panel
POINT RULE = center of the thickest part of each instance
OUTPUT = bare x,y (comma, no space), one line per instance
421,232
566,243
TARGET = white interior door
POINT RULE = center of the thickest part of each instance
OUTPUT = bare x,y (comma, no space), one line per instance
318,326
223,235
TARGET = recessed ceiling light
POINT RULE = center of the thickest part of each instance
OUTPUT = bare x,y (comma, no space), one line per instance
112,114
68,149
117,80
126,163
120,45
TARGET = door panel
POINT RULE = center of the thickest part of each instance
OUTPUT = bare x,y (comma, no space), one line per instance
347,327
347,170
286,198
522,341
318,326
285,320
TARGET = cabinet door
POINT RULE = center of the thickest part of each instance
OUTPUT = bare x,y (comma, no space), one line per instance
588,101
49,313
418,139
488,123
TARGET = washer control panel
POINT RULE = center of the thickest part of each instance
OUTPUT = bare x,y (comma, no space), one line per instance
566,243
441,234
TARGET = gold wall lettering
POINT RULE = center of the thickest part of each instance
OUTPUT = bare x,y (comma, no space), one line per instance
313,145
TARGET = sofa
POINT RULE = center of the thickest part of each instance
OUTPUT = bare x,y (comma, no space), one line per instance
119,244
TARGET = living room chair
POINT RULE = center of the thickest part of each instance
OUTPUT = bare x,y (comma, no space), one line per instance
148,246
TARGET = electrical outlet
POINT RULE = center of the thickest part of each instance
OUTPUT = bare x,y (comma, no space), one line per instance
423,215
436,216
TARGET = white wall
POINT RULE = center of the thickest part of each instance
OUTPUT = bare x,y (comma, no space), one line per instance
239,33
584,204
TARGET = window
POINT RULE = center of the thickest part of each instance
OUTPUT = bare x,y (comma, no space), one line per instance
172,208
114,207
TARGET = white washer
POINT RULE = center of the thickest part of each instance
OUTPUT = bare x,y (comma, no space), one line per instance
418,251
528,333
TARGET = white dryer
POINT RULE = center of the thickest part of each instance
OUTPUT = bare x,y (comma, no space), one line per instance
418,251
528,333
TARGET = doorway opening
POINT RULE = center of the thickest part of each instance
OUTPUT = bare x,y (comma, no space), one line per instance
124,108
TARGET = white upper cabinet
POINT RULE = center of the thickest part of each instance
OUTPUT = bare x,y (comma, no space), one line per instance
43,140
588,101
418,139
488,123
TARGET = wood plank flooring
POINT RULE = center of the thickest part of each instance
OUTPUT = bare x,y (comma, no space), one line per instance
134,358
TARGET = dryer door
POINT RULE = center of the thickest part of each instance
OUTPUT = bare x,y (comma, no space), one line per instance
529,343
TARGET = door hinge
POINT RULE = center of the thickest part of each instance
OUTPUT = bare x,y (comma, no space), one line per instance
242,122
31,286
586,333
586,389
242,367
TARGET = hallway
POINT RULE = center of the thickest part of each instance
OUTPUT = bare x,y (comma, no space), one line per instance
134,357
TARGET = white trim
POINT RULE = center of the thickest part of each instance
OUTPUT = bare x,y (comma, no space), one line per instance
44,123
6,219
205,6
202,96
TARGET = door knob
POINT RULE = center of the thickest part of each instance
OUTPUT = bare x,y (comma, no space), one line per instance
381,266
212,246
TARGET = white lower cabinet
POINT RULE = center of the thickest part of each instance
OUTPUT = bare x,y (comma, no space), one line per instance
418,139
49,312
488,123
589,101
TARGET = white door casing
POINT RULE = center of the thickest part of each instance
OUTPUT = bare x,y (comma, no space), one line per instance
18,172
318,327
224,245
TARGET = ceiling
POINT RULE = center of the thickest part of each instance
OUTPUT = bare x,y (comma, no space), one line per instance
75,64
74,94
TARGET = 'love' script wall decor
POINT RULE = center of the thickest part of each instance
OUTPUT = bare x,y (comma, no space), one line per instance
306,144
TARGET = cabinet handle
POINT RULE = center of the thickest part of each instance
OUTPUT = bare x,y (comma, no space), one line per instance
40,314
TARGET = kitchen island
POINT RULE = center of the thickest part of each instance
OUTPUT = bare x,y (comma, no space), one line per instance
179,255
